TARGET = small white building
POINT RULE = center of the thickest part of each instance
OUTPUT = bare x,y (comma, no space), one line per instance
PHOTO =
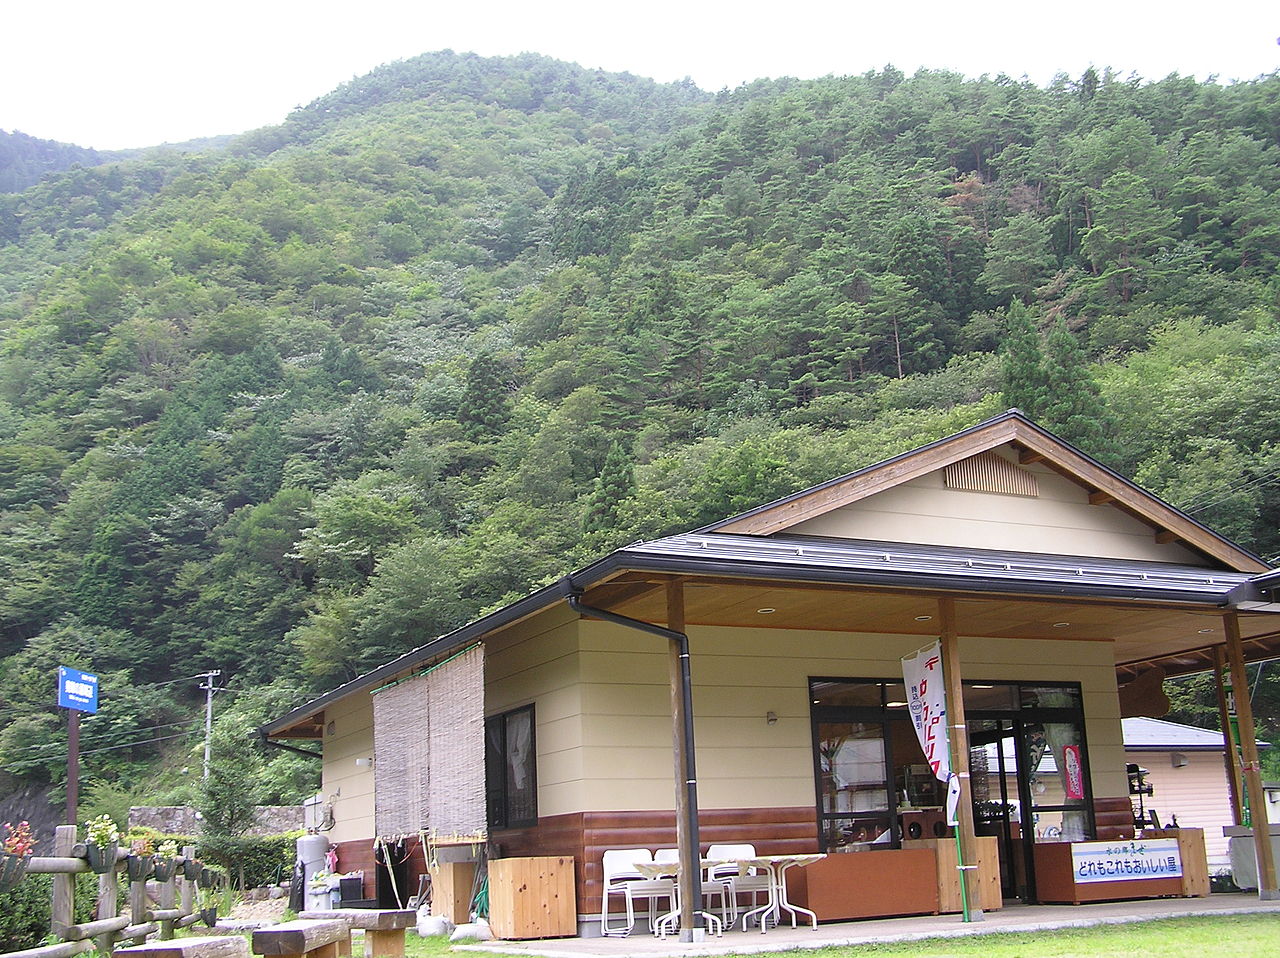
1186,769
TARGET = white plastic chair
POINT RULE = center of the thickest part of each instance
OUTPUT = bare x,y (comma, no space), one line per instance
753,882
621,878
709,886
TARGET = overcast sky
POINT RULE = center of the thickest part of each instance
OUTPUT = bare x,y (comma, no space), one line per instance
140,72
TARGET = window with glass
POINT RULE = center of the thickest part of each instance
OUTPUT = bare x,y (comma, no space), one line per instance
510,762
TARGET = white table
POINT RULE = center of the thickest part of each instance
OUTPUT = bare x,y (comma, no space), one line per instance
776,867
665,923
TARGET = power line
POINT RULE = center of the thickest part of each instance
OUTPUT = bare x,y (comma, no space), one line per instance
27,748
109,748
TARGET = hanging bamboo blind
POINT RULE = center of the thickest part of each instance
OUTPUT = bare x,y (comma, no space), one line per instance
428,748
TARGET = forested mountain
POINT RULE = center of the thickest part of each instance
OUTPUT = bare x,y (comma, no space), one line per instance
291,408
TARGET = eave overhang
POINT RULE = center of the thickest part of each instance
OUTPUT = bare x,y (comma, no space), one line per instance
810,562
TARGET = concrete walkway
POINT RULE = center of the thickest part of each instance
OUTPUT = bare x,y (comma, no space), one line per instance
1015,918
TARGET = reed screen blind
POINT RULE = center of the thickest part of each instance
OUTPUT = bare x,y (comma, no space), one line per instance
428,750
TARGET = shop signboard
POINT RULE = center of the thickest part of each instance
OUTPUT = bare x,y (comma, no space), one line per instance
1125,861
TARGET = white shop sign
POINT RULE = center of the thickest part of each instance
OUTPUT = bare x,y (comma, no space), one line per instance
1125,861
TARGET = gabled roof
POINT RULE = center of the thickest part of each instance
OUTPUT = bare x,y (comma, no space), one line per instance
1105,487
1155,734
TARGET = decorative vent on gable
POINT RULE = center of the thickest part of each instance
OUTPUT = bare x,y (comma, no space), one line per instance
989,472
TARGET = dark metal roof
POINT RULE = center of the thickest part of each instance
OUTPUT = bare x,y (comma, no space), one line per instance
812,559
937,567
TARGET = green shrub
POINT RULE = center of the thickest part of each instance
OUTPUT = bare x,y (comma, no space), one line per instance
24,911
254,861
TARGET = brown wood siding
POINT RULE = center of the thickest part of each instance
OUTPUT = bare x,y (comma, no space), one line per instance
358,856
588,835
1112,818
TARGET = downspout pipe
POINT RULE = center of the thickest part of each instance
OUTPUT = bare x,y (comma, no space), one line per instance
692,866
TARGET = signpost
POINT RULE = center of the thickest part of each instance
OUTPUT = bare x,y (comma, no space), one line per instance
77,692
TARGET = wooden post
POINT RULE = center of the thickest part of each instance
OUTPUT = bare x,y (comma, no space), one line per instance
1231,756
139,914
1249,756
958,734
108,907
188,887
690,882
62,914
167,900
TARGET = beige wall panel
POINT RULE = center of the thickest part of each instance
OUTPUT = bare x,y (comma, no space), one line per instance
741,674
344,785
1059,521
538,662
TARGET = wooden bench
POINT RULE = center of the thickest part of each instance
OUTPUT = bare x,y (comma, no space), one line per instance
212,946
309,937
383,927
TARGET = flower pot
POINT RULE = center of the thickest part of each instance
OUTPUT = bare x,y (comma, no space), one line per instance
191,869
101,858
139,867
164,868
209,916
207,877
13,868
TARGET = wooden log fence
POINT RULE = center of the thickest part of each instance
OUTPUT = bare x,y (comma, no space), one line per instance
175,906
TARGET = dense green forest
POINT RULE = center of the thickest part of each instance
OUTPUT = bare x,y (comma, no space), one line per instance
293,406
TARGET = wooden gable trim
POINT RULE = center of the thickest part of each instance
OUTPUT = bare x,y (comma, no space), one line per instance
862,485
1033,445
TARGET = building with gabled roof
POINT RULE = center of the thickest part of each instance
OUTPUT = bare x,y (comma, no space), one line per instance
1055,588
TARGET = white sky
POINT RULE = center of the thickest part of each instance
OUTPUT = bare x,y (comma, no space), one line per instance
125,73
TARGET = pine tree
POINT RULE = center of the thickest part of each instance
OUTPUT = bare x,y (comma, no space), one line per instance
1074,408
483,410
1022,368
616,482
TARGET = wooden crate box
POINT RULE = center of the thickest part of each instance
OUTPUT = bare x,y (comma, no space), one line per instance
532,898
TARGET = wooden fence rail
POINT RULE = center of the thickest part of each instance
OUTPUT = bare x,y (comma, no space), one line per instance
175,903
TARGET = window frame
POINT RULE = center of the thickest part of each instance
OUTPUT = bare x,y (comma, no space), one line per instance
497,765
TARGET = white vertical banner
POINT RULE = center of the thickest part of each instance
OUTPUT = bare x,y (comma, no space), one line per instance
927,702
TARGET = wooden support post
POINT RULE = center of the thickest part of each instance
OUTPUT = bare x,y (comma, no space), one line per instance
1249,756
139,914
1231,755
958,734
62,913
690,885
108,907
167,902
188,887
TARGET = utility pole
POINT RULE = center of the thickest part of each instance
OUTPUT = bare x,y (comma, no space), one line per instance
208,714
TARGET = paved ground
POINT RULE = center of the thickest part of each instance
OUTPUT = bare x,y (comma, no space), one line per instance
1018,918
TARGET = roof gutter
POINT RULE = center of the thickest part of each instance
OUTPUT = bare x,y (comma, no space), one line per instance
691,885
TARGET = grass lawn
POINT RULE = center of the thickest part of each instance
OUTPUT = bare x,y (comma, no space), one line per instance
1240,936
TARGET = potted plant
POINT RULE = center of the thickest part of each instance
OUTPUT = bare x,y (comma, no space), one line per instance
141,862
102,843
166,860
207,905
16,848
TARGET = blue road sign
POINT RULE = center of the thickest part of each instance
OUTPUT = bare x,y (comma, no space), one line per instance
77,690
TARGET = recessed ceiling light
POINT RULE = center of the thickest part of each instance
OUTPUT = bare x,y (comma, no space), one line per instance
765,611
897,705
1061,625
983,686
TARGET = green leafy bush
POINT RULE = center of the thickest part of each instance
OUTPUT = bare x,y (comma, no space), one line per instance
24,910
